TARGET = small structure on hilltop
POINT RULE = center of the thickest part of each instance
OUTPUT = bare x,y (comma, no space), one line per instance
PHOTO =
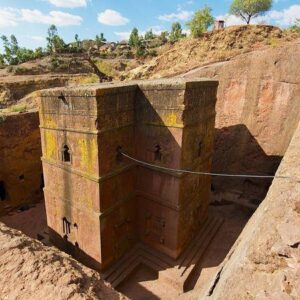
99,203
219,24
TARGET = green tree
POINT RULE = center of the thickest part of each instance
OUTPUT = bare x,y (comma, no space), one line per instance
176,32
164,36
55,42
24,55
296,26
52,32
100,39
134,39
14,55
38,52
2,60
77,43
14,44
149,35
10,49
201,21
248,9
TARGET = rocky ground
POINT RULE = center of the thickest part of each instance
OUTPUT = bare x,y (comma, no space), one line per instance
30,270
144,282
265,261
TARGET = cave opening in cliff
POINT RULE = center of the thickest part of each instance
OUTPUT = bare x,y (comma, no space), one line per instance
2,191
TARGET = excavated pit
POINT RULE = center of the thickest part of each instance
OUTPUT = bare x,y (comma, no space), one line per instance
257,114
144,282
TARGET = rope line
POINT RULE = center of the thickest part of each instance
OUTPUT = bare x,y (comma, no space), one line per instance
202,173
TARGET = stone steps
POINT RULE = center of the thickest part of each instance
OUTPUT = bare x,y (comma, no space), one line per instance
175,273
198,251
186,255
113,274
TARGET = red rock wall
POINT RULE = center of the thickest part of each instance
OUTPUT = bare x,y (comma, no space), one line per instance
264,262
258,109
20,163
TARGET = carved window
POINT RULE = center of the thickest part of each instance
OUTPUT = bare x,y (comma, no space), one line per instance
200,145
66,154
66,226
2,191
157,153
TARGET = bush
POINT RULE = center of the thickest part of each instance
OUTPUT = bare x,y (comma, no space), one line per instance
176,32
20,71
152,53
296,27
201,21
89,80
10,69
54,63
140,52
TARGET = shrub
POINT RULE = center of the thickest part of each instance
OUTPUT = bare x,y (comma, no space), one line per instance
152,53
201,21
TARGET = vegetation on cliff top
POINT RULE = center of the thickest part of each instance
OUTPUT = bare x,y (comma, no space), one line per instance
215,46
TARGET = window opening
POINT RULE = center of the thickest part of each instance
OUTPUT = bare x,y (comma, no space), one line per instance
66,154
66,226
157,153
199,149
2,191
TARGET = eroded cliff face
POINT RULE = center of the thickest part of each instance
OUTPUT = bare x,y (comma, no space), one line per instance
21,179
14,88
264,263
30,270
258,109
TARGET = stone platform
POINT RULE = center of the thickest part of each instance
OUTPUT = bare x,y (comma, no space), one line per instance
176,273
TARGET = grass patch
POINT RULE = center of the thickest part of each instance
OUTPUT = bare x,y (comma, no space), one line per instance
88,79
105,68
18,108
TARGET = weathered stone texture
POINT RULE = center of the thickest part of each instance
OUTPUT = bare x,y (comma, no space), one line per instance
29,270
108,200
14,88
265,261
257,112
20,165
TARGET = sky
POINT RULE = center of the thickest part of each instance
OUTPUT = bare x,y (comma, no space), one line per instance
30,19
